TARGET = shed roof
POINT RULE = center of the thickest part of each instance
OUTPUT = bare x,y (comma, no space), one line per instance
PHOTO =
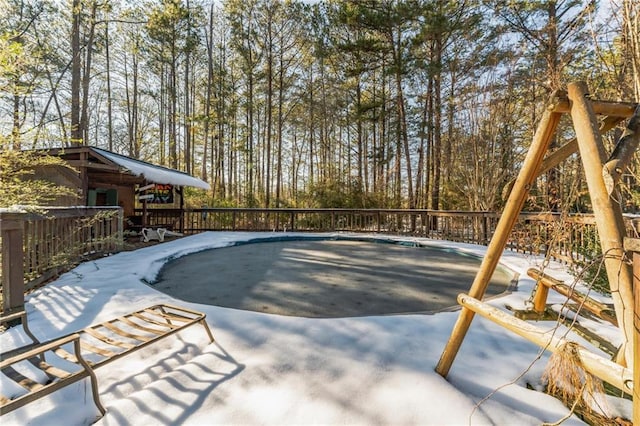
101,162
154,173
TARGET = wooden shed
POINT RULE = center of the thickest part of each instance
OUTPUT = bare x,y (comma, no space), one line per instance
105,178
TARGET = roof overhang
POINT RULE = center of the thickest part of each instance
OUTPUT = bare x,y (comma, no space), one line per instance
110,162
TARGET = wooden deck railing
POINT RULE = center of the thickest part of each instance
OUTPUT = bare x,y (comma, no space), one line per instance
472,227
64,236
34,246
570,237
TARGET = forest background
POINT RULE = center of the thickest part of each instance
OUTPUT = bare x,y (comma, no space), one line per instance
362,104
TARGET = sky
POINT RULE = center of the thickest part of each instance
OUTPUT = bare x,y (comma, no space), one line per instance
266,369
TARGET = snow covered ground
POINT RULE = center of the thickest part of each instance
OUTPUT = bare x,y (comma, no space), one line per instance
276,370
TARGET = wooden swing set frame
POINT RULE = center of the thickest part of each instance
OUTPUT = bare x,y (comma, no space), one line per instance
602,176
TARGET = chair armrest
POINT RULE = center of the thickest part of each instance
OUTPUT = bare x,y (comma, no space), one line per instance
41,348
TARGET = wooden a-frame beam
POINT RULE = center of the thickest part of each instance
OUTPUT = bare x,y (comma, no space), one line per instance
607,212
613,109
562,153
589,143
533,160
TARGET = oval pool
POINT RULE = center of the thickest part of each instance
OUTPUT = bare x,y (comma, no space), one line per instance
327,278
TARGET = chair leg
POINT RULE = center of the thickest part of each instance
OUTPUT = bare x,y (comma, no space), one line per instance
208,330
92,378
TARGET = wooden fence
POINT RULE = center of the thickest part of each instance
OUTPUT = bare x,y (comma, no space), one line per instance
569,237
50,242
35,246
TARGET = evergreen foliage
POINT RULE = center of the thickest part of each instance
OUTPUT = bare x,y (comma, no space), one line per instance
408,103
19,187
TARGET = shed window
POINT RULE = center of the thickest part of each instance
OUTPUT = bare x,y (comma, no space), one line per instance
103,197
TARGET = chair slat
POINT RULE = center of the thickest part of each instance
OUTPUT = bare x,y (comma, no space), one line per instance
108,340
154,321
50,370
100,351
21,379
141,327
66,355
121,332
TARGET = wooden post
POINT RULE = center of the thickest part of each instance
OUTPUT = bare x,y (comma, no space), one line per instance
539,146
547,282
84,174
485,229
120,239
633,245
180,190
636,340
143,222
540,297
12,264
607,213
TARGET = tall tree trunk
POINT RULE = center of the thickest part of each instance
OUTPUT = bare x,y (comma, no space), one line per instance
397,181
428,105
280,125
173,108
131,98
15,131
86,77
554,195
385,148
222,119
188,160
129,104
631,37
312,128
402,119
162,131
269,111
135,124
419,195
451,100
251,165
405,142
109,95
76,131
359,136
437,124
324,169
187,114
233,155
374,144
207,102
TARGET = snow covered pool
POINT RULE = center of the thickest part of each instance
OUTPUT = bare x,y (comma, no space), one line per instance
327,277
